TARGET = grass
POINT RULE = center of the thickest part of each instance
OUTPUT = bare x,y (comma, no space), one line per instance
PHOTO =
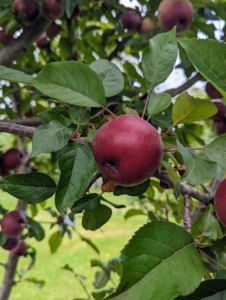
62,284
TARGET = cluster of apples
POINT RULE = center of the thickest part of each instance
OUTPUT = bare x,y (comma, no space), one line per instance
170,13
13,224
11,159
219,120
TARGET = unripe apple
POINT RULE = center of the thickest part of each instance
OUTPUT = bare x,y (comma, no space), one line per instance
11,243
53,31
220,115
52,10
175,12
30,8
4,37
13,223
212,91
131,20
128,150
146,26
220,201
20,249
42,42
12,159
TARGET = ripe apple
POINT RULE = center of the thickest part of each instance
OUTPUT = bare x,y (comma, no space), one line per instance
131,20
147,24
29,8
11,243
220,127
175,12
220,201
12,159
212,91
52,10
13,223
42,42
128,150
53,31
20,249
4,37
220,115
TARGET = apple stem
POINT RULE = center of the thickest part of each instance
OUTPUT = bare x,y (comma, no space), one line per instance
110,112
146,103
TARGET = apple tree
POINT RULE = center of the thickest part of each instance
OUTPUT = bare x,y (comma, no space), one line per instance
84,97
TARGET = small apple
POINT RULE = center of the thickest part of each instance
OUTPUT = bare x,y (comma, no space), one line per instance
220,127
212,91
52,10
220,201
220,115
128,150
13,223
12,159
53,31
29,8
131,20
11,243
5,38
175,12
42,42
20,249
147,24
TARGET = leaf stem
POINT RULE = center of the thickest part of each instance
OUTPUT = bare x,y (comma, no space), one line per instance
146,103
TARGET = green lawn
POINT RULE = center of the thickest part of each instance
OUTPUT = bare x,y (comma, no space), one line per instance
59,283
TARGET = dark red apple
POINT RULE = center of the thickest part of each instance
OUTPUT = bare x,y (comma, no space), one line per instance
53,31
220,115
12,159
220,127
128,150
212,91
52,10
29,8
131,20
4,37
42,42
11,243
220,201
175,12
13,223
20,249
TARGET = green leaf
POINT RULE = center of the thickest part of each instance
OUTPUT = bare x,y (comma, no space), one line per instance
88,202
209,57
216,150
31,188
79,115
101,279
208,290
14,75
3,238
94,219
134,212
198,170
158,102
110,75
188,109
55,241
171,172
159,57
48,116
71,82
35,229
130,111
90,243
204,230
77,166
135,190
150,259
50,138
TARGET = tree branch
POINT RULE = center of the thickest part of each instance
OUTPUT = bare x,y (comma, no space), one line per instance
30,34
17,129
119,47
187,216
27,121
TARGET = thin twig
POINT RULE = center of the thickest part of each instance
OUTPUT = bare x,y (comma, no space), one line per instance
187,216
146,103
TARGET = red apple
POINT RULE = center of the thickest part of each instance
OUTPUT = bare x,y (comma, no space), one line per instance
29,8
175,12
11,243
220,201
52,10
4,37
220,128
220,115
128,150
12,159
20,249
212,91
131,20
13,223
42,42
53,31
